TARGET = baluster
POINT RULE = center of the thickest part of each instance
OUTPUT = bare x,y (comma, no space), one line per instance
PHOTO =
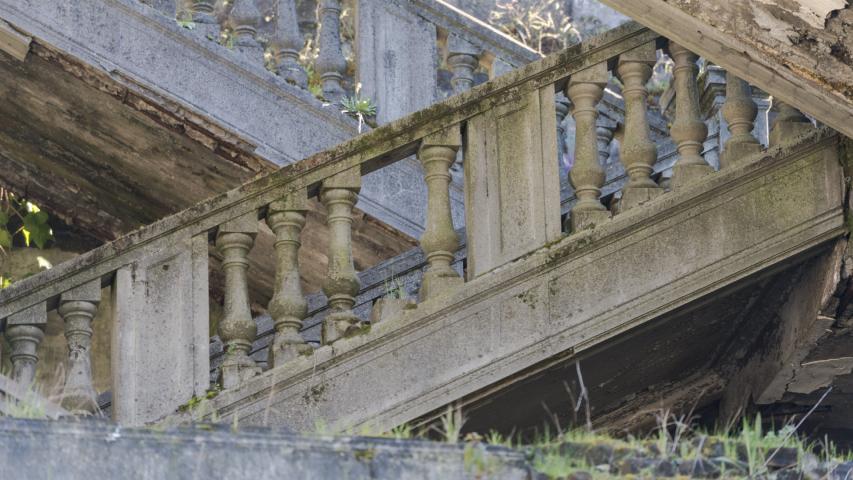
740,112
638,152
306,11
790,123
286,44
463,60
24,332
78,307
204,12
439,240
287,306
586,176
605,128
688,131
268,10
339,194
561,107
237,328
183,10
245,18
331,64
222,10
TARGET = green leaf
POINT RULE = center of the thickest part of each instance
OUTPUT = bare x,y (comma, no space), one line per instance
41,235
41,217
5,238
34,220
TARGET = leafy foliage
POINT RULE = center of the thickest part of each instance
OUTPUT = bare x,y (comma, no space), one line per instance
24,219
22,223
358,107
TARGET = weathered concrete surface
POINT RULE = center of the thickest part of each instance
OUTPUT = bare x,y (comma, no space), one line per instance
108,163
680,362
228,113
218,98
798,50
94,449
370,152
565,298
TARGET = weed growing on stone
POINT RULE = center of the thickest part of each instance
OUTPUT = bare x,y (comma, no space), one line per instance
358,107
451,425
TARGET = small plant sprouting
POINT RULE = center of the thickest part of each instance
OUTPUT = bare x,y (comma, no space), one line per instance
226,39
401,432
188,24
451,425
358,107
495,438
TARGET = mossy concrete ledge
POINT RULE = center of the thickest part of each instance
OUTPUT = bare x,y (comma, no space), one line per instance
99,449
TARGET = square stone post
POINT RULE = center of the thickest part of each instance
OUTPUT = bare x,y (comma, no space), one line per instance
160,347
512,190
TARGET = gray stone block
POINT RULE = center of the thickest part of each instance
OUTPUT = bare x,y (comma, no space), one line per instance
96,449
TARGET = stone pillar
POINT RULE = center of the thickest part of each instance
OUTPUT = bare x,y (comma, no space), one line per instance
245,18
561,107
204,14
237,328
439,241
463,60
286,44
183,10
339,194
638,151
306,11
203,11
331,64
586,176
160,345
222,10
287,306
78,307
688,131
789,124
739,112
24,332
605,128
512,180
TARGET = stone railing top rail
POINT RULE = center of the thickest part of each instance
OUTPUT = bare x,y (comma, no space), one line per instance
368,152
474,30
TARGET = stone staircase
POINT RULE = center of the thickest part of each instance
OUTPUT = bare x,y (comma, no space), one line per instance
539,291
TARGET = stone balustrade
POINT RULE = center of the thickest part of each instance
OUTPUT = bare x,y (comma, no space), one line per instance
159,276
402,47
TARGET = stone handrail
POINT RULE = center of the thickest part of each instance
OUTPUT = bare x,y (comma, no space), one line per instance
401,50
159,274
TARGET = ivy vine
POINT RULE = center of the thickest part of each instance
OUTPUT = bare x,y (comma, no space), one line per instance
22,223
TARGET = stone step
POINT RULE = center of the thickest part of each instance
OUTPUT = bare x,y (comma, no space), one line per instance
99,449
